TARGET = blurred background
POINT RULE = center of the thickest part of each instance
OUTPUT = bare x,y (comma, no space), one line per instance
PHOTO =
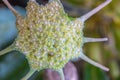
106,23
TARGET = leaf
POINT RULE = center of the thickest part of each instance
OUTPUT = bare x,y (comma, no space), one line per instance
8,30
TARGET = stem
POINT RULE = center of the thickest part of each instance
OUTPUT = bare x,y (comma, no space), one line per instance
29,74
61,74
86,40
85,58
8,49
10,7
95,10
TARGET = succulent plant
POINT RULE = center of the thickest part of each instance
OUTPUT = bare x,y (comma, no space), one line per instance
49,38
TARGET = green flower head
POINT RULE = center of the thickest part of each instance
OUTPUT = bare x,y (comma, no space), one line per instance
49,38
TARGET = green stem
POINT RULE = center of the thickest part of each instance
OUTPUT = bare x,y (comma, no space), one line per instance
8,49
29,74
61,74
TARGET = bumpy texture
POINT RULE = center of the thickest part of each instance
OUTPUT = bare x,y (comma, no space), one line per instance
48,37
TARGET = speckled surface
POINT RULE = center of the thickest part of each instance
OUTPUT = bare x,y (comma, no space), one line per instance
48,37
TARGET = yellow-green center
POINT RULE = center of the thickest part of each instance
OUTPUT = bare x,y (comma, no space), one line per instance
47,37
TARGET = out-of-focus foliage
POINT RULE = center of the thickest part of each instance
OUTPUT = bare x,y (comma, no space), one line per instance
8,30
105,23
12,63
